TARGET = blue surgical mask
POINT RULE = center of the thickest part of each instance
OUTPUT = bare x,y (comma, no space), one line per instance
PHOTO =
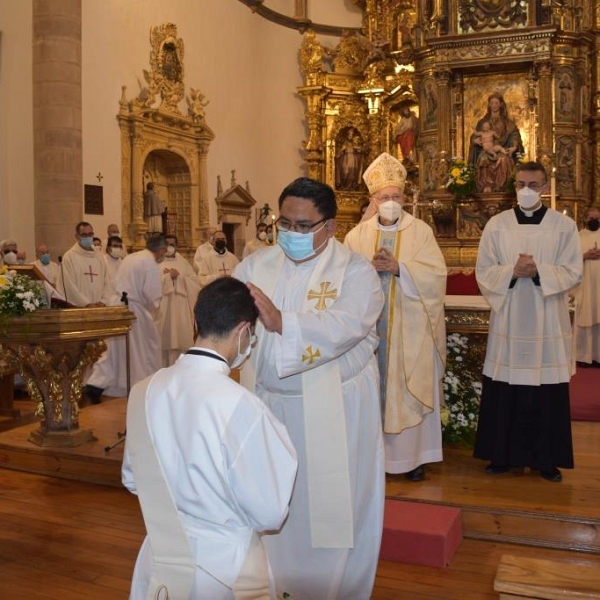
86,242
45,259
299,246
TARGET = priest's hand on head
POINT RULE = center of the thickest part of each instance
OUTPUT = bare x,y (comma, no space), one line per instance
269,314
385,262
525,266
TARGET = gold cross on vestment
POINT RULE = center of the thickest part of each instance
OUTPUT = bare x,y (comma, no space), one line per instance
311,355
322,295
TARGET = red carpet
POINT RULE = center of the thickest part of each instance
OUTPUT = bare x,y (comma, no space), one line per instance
585,394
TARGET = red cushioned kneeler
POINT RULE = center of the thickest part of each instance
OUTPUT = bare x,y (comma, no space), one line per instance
419,533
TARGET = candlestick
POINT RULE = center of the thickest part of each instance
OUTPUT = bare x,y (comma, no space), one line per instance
553,189
273,219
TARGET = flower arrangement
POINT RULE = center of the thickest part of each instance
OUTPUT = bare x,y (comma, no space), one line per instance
19,294
461,178
462,392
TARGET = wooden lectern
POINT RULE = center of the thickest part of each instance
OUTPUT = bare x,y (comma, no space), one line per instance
51,349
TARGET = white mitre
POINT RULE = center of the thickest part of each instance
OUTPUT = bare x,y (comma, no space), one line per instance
383,172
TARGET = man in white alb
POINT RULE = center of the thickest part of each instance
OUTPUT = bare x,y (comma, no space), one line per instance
218,262
176,312
46,265
314,366
211,465
412,332
204,248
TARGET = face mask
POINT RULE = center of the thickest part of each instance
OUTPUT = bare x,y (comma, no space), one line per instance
86,243
115,252
171,251
220,246
389,210
242,356
10,258
527,198
593,224
45,259
299,246
262,236
97,248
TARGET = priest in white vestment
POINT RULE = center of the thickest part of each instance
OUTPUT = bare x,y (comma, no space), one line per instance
587,295
176,311
314,366
82,275
260,241
204,248
227,462
139,278
46,265
529,259
411,329
217,262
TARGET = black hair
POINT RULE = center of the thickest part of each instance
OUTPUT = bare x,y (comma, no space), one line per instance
223,304
155,242
532,166
320,194
112,239
172,236
81,224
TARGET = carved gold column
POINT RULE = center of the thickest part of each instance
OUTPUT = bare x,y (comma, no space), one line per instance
545,146
444,109
203,216
139,227
595,110
58,163
314,97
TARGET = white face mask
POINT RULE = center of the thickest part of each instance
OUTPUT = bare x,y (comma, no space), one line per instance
527,198
170,250
10,258
389,210
262,236
242,356
115,252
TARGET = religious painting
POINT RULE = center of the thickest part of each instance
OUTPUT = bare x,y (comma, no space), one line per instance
429,103
497,128
565,94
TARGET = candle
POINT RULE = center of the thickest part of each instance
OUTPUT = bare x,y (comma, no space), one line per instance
553,189
274,229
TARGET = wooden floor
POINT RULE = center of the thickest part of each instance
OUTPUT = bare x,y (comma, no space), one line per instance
67,539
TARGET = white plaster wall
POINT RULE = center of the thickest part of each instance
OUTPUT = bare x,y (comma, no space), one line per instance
16,124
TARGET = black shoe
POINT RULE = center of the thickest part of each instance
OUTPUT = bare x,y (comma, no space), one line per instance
417,474
91,394
553,475
493,469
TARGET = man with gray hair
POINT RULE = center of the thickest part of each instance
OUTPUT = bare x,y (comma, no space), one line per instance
138,278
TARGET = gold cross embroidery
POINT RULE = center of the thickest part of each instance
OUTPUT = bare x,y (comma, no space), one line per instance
311,355
322,295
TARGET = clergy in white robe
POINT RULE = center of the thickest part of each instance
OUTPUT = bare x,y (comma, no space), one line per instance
113,260
314,366
176,312
228,462
260,241
139,278
411,329
204,248
529,259
82,275
217,262
587,295
46,265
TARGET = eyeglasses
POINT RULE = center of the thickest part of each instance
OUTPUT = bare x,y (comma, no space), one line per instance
284,225
533,185
395,198
86,235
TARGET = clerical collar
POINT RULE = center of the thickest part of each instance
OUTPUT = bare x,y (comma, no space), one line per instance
207,353
392,227
530,217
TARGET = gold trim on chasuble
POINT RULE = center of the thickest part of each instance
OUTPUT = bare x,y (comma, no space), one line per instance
324,294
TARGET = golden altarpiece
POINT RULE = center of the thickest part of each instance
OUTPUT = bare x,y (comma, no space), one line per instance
160,145
439,63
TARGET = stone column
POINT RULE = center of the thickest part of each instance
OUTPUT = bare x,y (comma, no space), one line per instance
58,164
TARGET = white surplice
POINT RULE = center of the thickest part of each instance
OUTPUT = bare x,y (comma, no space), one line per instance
230,466
201,250
49,271
176,312
139,276
214,265
82,277
112,268
530,336
343,331
415,348
587,296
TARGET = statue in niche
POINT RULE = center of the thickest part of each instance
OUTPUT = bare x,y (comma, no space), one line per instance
154,208
493,169
349,160
565,93
171,67
406,132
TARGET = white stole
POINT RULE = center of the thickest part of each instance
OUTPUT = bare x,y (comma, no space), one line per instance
174,564
329,490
